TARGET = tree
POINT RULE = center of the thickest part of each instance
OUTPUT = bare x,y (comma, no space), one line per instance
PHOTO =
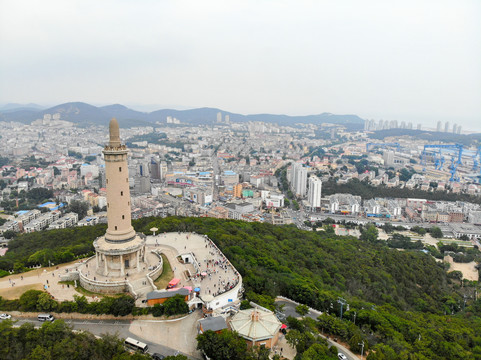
82,303
302,309
175,305
28,300
122,305
436,232
388,228
319,352
75,154
9,234
369,234
158,310
4,161
295,204
40,353
110,345
419,230
45,302
79,207
37,195
329,229
57,341
225,345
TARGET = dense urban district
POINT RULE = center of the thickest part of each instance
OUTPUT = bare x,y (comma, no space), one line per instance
328,240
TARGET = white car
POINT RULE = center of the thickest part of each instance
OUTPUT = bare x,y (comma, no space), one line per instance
5,316
341,356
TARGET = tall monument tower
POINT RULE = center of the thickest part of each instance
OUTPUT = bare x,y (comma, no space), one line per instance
118,193
121,251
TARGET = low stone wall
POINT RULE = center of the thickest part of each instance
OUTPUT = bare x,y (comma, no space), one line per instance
105,287
70,276
227,297
295,302
154,274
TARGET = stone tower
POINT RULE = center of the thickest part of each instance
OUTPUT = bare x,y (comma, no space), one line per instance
118,193
121,250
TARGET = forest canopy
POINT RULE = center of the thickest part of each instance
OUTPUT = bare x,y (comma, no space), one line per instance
401,302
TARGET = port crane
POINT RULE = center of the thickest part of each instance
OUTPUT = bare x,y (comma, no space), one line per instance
476,157
457,149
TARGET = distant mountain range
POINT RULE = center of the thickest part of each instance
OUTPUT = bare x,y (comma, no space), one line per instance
17,107
85,114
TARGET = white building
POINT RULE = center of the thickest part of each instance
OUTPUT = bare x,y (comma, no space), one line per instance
88,168
314,192
68,220
299,179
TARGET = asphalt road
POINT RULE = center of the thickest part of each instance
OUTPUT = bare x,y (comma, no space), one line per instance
113,327
290,310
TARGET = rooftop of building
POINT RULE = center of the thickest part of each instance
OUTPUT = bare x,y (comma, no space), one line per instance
213,323
255,324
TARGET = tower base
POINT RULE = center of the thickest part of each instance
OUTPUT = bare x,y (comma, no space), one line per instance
119,259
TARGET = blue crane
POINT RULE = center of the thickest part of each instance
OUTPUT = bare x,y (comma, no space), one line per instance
475,160
438,164
383,145
458,148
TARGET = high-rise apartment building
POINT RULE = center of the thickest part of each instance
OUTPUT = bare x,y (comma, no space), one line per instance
314,192
299,179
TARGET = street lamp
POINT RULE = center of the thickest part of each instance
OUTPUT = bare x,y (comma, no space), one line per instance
342,302
361,344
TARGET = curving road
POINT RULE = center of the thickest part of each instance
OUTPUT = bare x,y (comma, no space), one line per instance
290,310
113,327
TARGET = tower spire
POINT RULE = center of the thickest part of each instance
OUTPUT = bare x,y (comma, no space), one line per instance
114,133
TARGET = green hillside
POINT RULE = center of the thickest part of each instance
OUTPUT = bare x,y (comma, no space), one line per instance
404,304
315,267
400,298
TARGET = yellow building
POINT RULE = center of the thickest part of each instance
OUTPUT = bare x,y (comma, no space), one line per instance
238,190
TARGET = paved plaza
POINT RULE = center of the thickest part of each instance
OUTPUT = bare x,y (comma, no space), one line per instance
43,278
215,274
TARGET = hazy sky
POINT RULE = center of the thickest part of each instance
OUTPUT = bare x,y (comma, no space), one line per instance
416,61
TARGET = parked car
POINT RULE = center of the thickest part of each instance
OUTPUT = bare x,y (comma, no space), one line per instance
45,317
5,316
157,356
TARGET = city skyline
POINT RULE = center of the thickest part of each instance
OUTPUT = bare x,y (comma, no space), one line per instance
408,62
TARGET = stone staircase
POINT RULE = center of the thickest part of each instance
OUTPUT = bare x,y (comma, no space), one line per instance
141,286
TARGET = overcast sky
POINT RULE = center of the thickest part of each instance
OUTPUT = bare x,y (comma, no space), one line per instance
416,61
